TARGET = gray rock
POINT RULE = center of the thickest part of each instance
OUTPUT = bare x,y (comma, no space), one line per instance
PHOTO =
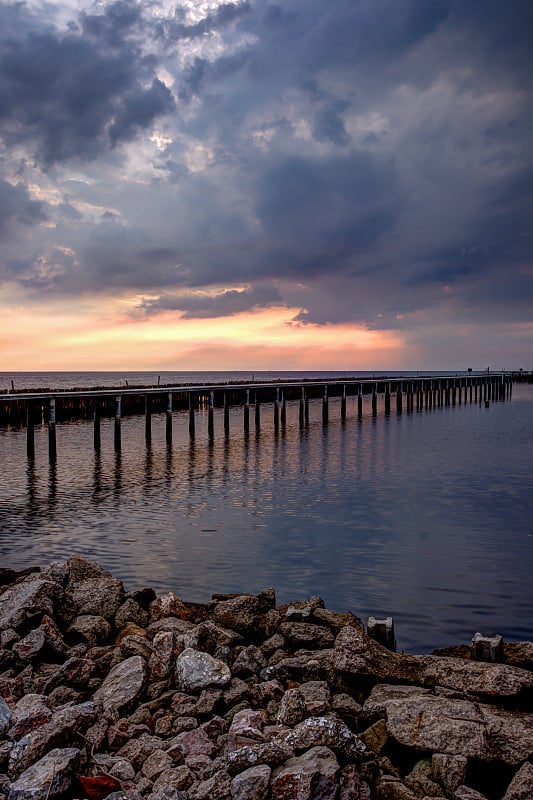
30,712
93,590
215,788
272,753
249,723
316,696
134,645
353,787
196,670
155,764
49,778
327,732
250,661
466,793
292,708
521,787
162,658
89,628
252,784
131,611
455,727
136,751
449,770
5,716
312,776
123,685
33,596
420,780
166,792
168,605
179,778
238,614
305,634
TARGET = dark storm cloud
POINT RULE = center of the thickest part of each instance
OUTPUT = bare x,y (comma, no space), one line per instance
75,93
17,208
373,158
224,304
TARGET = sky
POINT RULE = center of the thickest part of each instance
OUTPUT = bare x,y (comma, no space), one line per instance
302,184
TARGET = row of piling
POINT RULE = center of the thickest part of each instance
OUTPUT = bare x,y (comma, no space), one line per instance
419,394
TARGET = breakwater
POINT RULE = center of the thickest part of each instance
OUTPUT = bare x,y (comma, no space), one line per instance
49,407
109,693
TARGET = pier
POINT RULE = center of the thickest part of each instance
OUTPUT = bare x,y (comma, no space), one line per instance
403,394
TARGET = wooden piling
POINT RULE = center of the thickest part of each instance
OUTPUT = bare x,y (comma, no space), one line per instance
211,417
301,415
257,412
276,411
96,427
52,449
191,416
387,398
343,404
360,401
30,437
375,400
168,430
283,411
118,414
399,399
306,410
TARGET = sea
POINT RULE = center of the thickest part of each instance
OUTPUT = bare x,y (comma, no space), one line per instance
423,516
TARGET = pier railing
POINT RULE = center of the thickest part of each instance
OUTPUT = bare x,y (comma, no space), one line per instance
26,409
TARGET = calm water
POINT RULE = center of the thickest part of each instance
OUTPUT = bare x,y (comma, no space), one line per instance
425,516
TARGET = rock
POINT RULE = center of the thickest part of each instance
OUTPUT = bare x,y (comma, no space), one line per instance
196,670
179,778
394,790
131,611
466,793
304,634
164,652
419,780
207,702
194,743
138,750
292,708
252,784
156,763
248,723
44,641
93,590
250,661
456,727
272,753
50,777
521,787
5,716
376,737
29,713
352,785
89,628
169,605
218,787
238,614
312,776
63,728
28,600
164,792
133,645
74,671
327,732
123,685
316,696
449,771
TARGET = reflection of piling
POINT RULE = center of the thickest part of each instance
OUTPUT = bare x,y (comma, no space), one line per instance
211,417
147,419
30,438
257,412
325,409
168,430
276,411
191,415
399,399
343,404
387,399
246,412
360,402
301,413
52,451
96,426
118,414
375,400
283,411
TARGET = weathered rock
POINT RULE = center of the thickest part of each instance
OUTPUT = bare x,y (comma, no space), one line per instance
467,793
44,641
169,605
29,713
316,696
207,702
195,742
305,634
62,729
352,785
133,645
164,652
196,670
521,787
420,780
314,775
456,727
138,750
250,661
179,778
5,716
327,732
218,787
376,736
272,753
123,685
449,771
28,600
89,628
238,614
92,589
252,784
292,708
73,672
155,764
49,778
131,611
394,789
249,723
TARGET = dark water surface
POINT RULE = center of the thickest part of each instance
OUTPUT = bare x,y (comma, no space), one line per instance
425,516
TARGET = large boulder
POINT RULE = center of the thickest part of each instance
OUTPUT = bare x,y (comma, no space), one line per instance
123,684
93,590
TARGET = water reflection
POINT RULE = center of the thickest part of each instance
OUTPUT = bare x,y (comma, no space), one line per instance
410,515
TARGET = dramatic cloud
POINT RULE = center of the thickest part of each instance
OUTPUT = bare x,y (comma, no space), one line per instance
362,162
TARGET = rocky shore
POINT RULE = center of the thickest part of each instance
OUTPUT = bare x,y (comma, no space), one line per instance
107,693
